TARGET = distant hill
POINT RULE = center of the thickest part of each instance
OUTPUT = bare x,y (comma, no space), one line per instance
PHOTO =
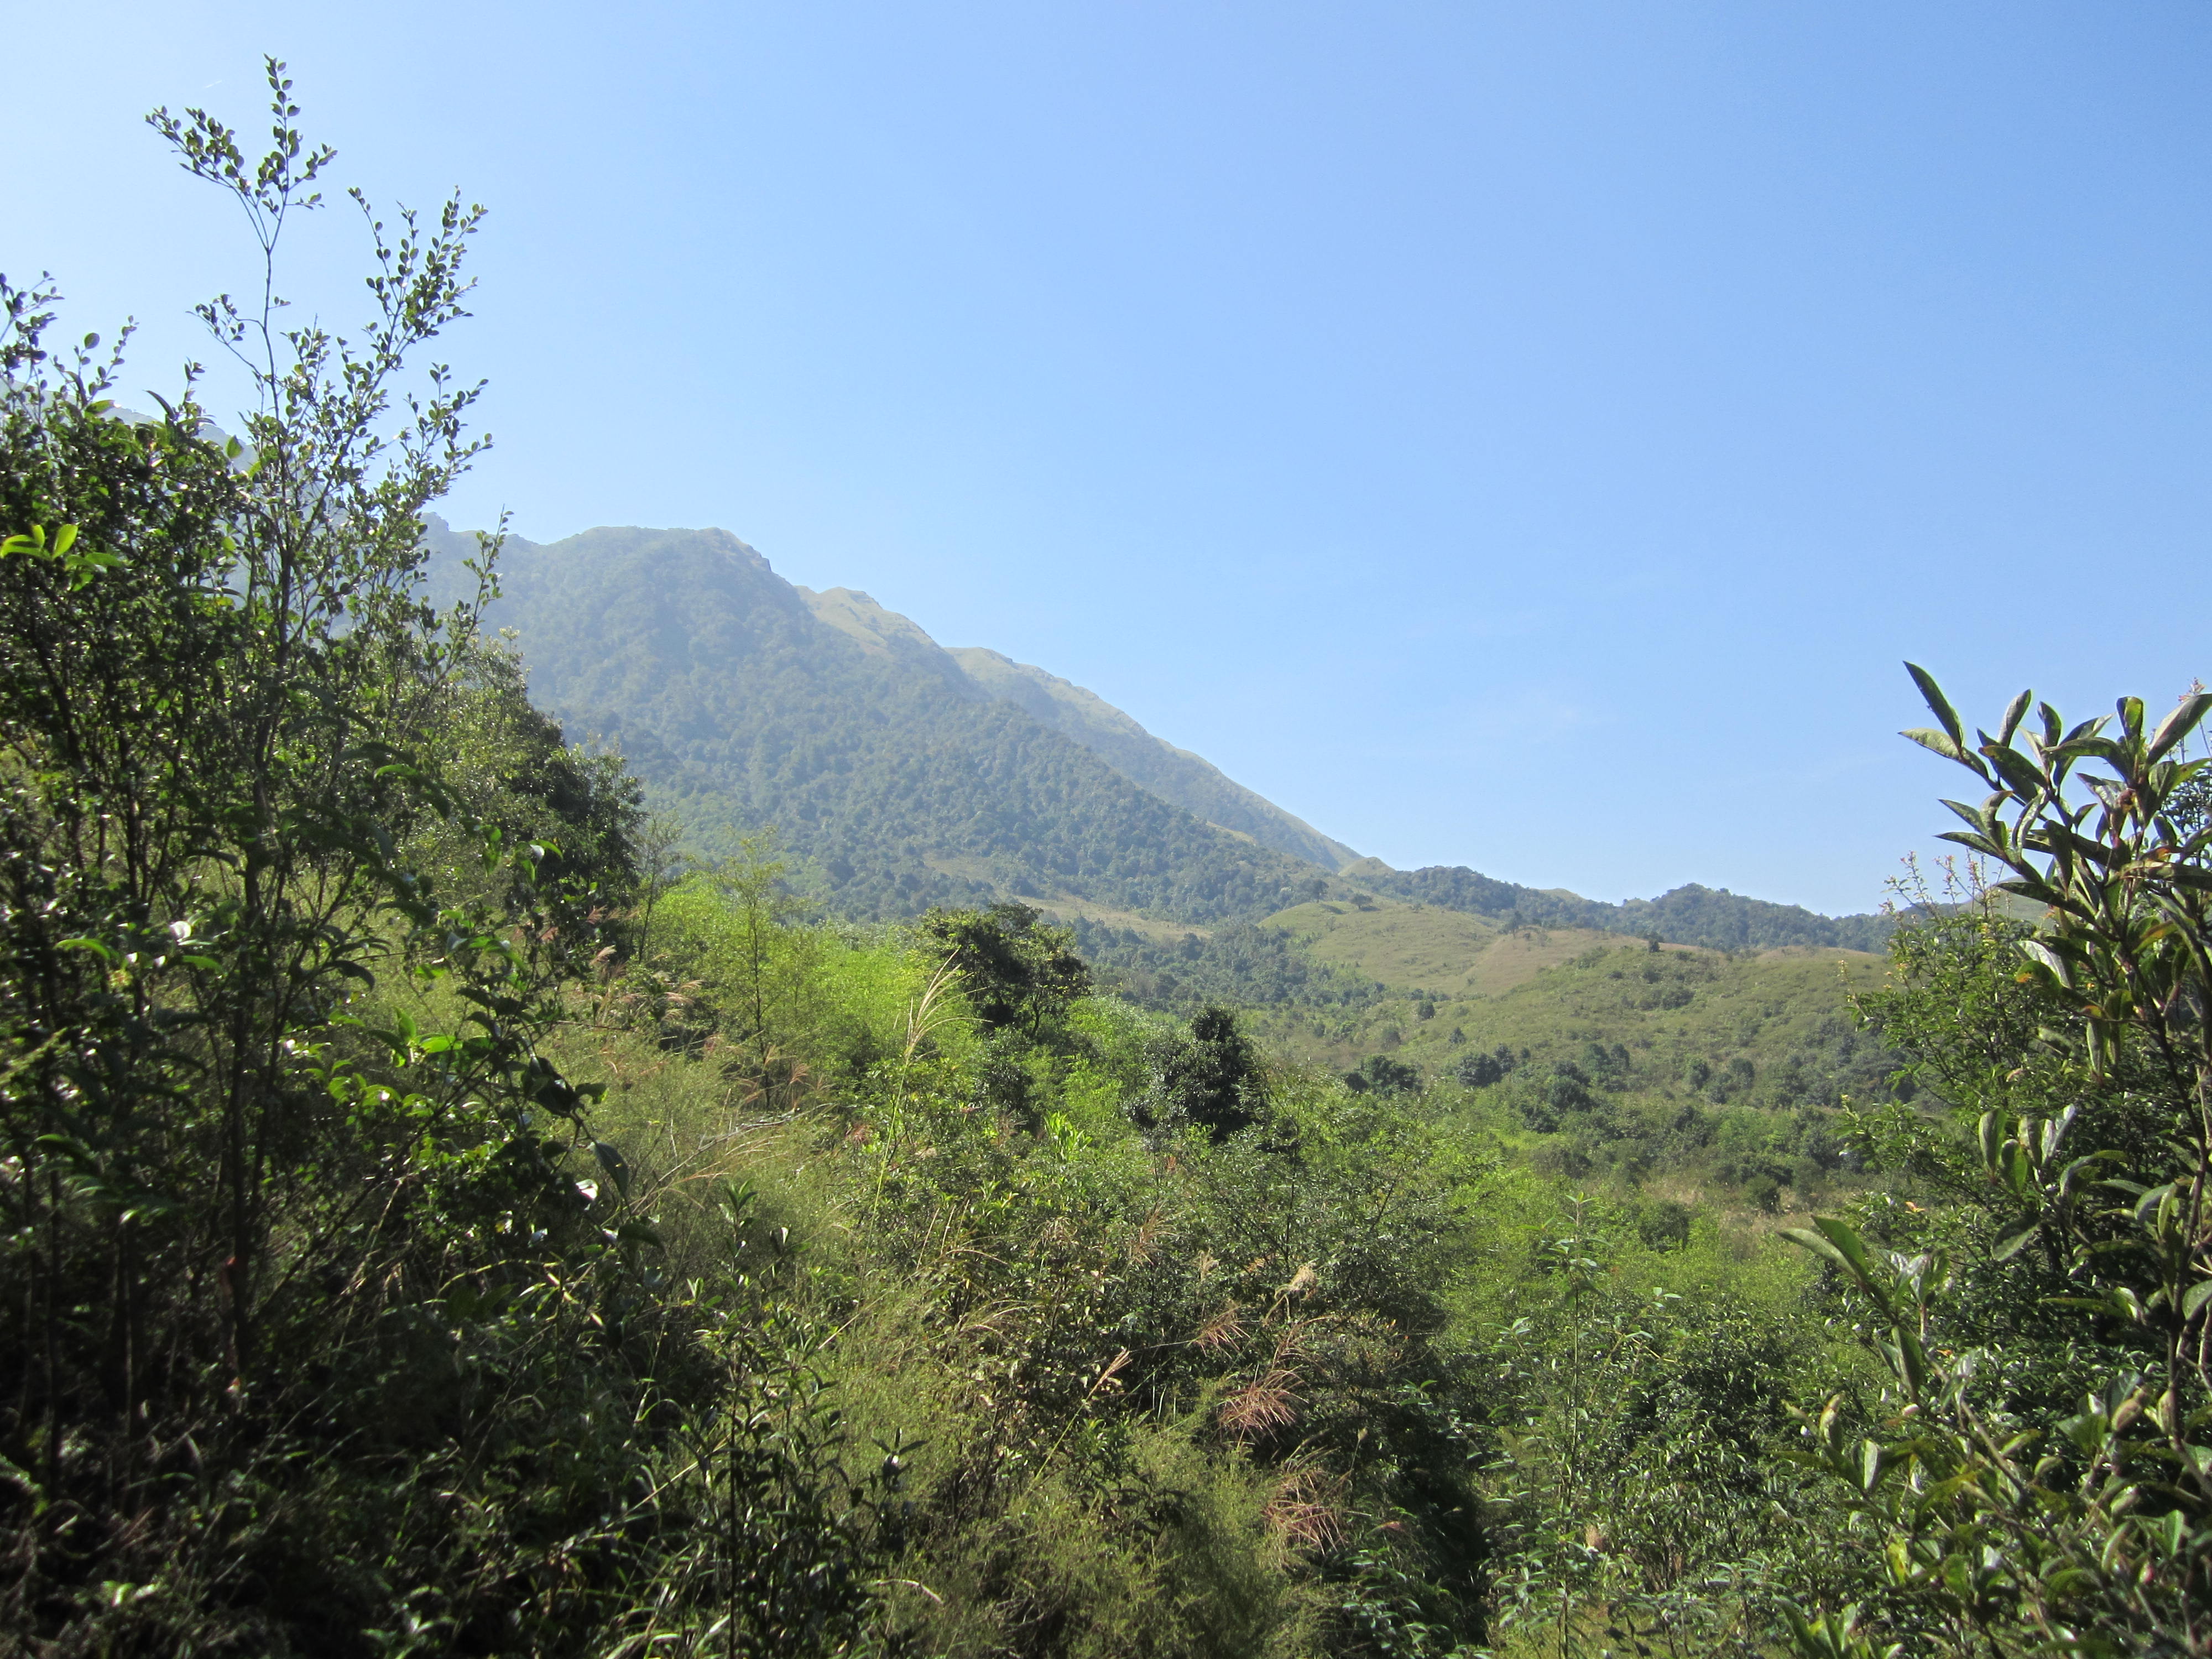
897,780
1718,919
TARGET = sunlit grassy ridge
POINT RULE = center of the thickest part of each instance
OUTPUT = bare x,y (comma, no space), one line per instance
1698,1070
1542,988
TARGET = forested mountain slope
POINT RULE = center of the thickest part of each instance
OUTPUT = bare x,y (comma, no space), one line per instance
1174,774
894,780
1190,782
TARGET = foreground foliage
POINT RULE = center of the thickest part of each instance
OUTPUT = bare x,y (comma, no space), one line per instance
311,1342
2042,1471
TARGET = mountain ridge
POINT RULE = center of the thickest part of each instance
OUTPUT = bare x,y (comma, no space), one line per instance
1689,915
904,774
1175,775
891,777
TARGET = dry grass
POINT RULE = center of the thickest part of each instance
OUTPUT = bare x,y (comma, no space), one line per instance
1261,1408
1304,1509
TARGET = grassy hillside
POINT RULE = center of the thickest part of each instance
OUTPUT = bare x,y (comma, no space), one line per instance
1696,1069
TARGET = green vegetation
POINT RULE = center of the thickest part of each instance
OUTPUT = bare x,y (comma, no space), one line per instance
2047,1477
1253,966
1687,915
895,786
440,1219
1175,775
1713,1075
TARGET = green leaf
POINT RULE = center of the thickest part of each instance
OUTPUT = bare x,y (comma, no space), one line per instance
1837,1242
2132,716
83,567
2028,888
2057,836
2014,712
1979,843
2012,1246
1818,1245
2118,1303
2091,747
2180,723
1840,1233
2166,1531
1914,1367
1949,747
2195,1298
2020,773
1938,704
1874,1463
616,1165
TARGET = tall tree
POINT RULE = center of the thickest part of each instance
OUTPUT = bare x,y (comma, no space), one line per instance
1017,970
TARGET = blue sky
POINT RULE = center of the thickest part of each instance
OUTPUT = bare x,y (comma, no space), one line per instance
1526,436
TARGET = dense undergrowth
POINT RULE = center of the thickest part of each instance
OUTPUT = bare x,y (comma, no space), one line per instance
1202,1355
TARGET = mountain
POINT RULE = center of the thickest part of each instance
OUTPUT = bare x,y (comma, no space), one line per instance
1716,918
1174,774
894,779
903,774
